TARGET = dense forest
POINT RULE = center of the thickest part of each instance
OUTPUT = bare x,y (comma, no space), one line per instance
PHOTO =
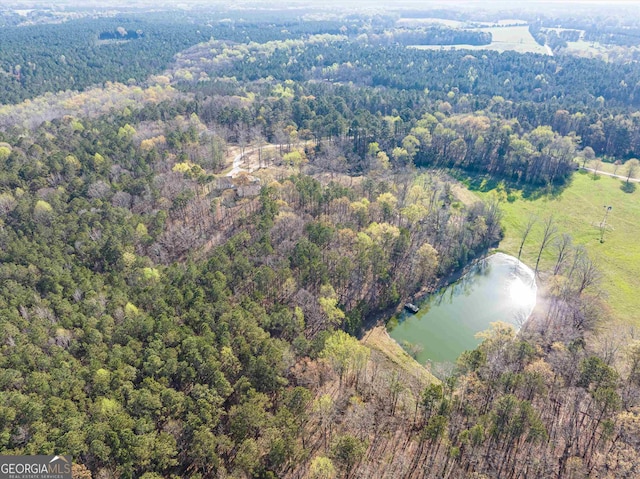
436,35
573,95
77,54
163,316
162,363
43,58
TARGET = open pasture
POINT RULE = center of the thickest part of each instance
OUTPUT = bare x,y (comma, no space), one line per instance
579,210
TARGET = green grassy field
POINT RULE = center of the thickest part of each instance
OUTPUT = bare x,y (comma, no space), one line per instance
578,210
586,48
514,38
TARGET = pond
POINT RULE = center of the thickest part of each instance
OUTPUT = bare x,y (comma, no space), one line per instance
497,288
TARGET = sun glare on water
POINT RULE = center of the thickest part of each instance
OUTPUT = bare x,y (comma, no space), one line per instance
521,293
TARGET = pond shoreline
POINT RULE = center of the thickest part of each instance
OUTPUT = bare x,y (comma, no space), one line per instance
453,277
382,316
494,287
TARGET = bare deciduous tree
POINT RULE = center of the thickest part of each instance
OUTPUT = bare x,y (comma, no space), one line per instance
596,167
632,167
563,246
527,229
547,235
587,274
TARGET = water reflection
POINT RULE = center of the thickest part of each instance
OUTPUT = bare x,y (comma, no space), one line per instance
498,288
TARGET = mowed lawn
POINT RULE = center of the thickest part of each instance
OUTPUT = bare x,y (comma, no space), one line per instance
578,210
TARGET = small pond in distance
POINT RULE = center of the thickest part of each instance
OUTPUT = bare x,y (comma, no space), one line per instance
497,288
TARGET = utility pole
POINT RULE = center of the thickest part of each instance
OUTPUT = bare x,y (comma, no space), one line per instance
603,225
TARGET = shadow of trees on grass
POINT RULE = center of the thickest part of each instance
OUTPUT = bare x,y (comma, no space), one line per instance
486,183
628,187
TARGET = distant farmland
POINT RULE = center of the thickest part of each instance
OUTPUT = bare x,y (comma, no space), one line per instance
515,38
421,22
